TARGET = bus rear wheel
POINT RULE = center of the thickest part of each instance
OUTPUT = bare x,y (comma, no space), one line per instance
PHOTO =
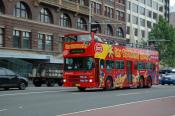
149,82
82,88
141,83
108,84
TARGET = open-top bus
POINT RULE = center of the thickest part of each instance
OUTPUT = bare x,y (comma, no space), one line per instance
91,63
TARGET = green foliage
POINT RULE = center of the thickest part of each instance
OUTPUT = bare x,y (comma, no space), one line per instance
161,32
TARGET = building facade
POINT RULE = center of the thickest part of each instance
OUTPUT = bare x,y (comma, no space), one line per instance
141,17
31,31
172,19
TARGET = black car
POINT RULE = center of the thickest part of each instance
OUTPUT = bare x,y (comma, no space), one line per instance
9,79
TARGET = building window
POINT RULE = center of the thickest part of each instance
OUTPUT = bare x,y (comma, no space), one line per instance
21,10
48,43
128,30
81,2
81,24
142,1
149,3
154,15
26,39
120,15
16,39
128,17
1,37
65,20
109,30
149,13
129,5
136,32
40,41
109,12
142,22
148,24
135,20
143,33
45,41
135,8
122,1
21,39
142,10
45,16
120,32
96,8
1,7
155,5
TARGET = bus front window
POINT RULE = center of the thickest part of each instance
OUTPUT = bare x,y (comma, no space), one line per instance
81,63
78,38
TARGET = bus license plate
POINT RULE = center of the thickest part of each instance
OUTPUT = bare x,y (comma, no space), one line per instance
77,85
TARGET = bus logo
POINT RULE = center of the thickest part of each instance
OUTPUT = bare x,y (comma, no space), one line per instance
98,48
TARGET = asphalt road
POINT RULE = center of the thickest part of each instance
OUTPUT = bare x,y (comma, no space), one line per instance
59,101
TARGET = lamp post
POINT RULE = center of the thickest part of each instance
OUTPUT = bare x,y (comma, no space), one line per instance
90,16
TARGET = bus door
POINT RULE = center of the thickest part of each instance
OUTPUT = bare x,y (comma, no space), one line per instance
129,71
97,70
101,72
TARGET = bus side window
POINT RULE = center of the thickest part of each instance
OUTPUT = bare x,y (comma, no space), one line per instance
120,64
109,64
102,64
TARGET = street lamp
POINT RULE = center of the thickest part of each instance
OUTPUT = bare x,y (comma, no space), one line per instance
90,16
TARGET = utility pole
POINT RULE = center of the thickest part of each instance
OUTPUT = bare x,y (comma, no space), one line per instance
90,16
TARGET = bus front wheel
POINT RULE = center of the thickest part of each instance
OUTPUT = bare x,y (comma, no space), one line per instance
81,88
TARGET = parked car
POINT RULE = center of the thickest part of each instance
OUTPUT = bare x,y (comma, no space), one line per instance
9,79
165,71
168,78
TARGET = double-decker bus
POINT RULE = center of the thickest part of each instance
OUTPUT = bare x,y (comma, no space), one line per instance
89,62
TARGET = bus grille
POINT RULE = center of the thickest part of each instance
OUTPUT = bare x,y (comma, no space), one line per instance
74,79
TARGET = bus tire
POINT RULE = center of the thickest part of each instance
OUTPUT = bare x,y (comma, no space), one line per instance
141,82
108,83
81,88
149,82
37,83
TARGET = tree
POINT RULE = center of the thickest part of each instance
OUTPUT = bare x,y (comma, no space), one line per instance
160,33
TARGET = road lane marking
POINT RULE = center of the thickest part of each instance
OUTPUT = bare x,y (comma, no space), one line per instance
119,105
134,93
3,110
28,93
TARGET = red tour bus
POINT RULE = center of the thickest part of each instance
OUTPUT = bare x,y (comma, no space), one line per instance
91,63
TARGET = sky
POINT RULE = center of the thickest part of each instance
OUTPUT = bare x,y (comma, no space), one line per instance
172,2
172,5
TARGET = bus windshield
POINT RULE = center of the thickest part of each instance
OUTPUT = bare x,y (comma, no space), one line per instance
80,63
78,38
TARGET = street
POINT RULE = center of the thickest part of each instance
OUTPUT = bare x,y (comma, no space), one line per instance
59,101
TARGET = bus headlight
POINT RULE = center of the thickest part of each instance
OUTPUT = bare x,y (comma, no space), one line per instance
64,80
90,80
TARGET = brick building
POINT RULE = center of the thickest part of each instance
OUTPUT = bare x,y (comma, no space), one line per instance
31,30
